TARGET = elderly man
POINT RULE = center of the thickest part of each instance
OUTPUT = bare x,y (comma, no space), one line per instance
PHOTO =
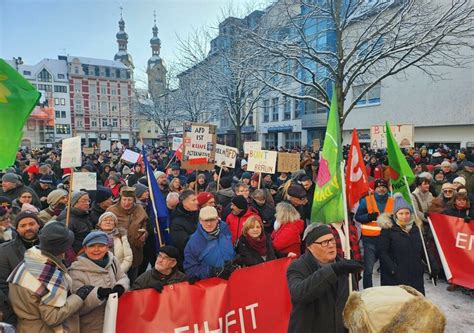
12,185
163,182
103,200
319,284
57,201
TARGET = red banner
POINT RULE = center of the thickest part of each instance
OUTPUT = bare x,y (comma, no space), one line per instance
253,300
455,241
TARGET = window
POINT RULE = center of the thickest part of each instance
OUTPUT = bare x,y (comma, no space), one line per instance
94,122
105,123
79,122
114,122
266,111
113,92
114,107
107,72
104,107
92,88
57,114
96,71
78,106
103,88
60,89
44,76
63,114
117,73
45,87
286,109
26,73
56,101
292,139
77,87
61,76
93,106
149,129
123,90
63,101
63,129
250,119
275,109
372,97
297,109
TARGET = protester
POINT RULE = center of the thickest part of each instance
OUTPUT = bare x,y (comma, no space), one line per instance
422,198
42,188
163,182
286,238
7,233
438,180
57,201
206,199
175,185
444,199
23,202
114,185
136,175
240,212
12,185
265,210
460,207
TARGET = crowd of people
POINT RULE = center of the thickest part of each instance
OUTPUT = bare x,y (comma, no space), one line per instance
58,265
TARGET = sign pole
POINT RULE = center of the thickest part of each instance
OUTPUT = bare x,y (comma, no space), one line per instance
68,212
259,180
219,178
347,245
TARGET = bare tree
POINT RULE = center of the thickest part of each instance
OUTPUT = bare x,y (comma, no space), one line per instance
356,44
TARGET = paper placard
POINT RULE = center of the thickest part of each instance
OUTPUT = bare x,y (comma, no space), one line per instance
199,142
226,156
84,181
71,155
104,145
252,145
288,162
177,142
130,156
88,151
404,135
316,144
262,161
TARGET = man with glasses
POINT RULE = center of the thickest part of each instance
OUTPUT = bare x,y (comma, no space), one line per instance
319,284
164,272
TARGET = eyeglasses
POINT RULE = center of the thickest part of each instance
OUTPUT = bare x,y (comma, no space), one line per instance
325,243
162,257
448,191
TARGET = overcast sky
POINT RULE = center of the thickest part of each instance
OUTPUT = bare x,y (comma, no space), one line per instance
37,29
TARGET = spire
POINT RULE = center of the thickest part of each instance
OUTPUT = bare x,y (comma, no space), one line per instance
122,41
155,42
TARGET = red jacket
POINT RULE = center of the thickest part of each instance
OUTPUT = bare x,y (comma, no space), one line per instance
288,237
236,223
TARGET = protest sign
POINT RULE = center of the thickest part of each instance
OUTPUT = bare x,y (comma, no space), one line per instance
104,145
262,161
84,181
213,305
226,156
176,143
316,144
199,142
130,156
288,162
88,151
71,155
252,145
404,135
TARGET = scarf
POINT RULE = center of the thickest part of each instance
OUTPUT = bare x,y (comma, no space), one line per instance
258,244
111,235
405,226
216,232
101,262
29,243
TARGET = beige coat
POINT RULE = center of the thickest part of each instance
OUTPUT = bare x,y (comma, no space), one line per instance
123,252
85,272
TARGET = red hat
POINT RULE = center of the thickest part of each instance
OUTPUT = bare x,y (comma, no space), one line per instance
34,169
204,197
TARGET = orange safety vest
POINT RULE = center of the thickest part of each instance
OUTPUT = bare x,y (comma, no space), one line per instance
372,229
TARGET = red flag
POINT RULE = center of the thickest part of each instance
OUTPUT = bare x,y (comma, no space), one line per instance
179,153
357,184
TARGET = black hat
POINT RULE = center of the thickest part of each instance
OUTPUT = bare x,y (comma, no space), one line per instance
27,214
380,182
314,231
225,182
46,179
102,194
240,202
55,238
170,251
297,191
5,202
174,167
88,167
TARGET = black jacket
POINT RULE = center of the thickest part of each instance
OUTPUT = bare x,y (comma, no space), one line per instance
267,213
247,256
95,212
318,296
79,224
183,225
13,194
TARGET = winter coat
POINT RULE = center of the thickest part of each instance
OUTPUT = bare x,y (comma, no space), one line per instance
95,212
122,251
152,277
46,215
287,238
84,272
133,178
469,177
79,224
183,225
461,213
422,202
13,194
267,213
204,252
248,256
318,296
236,223
132,220
401,255
439,204
224,196
42,193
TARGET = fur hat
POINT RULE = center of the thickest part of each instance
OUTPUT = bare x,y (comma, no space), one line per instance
55,238
240,202
54,196
127,191
399,202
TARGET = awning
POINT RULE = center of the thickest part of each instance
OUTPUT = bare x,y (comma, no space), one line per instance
277,129
125,136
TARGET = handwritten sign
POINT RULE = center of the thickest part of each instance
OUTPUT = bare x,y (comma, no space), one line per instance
104,145
88,151
84,181
130,156
262,161
177,142
226,156
288,162
252,145
199,143
404,135
316,144
71,153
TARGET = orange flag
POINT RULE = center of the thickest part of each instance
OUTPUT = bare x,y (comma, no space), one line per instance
357,184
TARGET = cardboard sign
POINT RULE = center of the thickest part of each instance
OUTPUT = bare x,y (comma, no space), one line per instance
71,155
130,156
252,145
226,156
176,143
316,144
84,181
104,145
288,162
199,143
404,135
88,151
262,161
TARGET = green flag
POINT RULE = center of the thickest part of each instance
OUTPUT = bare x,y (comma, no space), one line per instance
17,99
328,202
399,167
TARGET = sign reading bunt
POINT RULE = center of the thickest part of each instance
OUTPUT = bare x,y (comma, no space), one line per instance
213,305
252,145
262,161
226,156
84,181
71,155
288,162
404,135
199,146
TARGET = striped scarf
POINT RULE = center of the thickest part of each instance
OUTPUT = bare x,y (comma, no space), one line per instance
42,276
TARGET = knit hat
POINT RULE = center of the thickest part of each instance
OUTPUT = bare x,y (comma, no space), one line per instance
55,238
102,194
380,182
54,196
46,179
225,182
240,202
400,203
296,191
170,251
246,175
88,167
96,237
105,215
243,163
5,202
76,196
127,191
29,207
10,177
208,213
27,214
159,174
140,189
314,231
437,171
126,170
460,180
114,178
204,197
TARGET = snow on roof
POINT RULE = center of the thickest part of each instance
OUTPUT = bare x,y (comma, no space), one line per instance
98,62
53,66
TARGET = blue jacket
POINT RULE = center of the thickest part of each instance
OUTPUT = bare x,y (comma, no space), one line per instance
203,252
361,214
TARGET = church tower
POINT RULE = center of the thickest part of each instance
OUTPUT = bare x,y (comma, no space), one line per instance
156,69
122,41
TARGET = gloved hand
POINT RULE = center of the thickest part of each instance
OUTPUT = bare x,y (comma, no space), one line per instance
346,267
467,219
103,293
193,279
84,291
229,267
118,289
372,216
158,286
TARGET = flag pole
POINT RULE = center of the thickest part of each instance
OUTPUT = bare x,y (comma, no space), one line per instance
219,178
421,232
347,252
68,207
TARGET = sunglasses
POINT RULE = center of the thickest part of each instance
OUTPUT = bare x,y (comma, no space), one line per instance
448,191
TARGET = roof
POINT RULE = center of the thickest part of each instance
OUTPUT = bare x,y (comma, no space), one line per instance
98,62
53,66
